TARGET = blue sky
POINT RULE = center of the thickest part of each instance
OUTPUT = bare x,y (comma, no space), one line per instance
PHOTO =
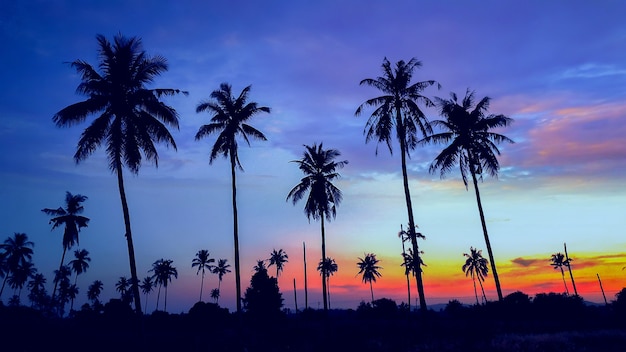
558,69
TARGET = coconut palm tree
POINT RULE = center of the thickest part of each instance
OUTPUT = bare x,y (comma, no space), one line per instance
62,281
229,119
17,251
320,169
476,267
221,269
568,264
558,262
278,258
147,285
81,262
203,261
409,266
71,220
215,294
163,272
94,290
470,142
369,269
129,117
327,268
37,287
20,276
122,285
398,110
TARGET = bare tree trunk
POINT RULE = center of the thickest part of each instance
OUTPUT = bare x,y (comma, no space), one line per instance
569,267
602,289
295,296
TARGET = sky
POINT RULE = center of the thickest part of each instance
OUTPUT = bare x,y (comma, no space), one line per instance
557,68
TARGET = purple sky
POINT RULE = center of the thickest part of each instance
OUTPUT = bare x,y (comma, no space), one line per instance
558,69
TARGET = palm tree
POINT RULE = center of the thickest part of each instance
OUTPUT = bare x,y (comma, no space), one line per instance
398,109
320,169
203,262
327,268
278,258
147,285
369,269
37,287
471,144
215,294
122,285
409,266
558,262
129,117
81,263
476,267
568,264
94,290
221,269
71,220
20,276
163,272
229,118
17,251
62,280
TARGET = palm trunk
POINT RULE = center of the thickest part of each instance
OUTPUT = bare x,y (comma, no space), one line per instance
480,281
482,221
219,290
145,306
372,291
165,305
4,283
408,272
475,292
54,290
569,267
328,289
564,283
129,240
295,296
158,297
324,289
306,288
235,232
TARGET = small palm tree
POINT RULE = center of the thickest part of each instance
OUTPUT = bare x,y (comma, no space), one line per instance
470,143
163,273
147,285
130,117
81,262
62,281
20,276
558,262
221,269
230,117
203,261
369,269
278,258
320,169
16,251
122,285
37,287
327,268
94,291
409,265
476,267
215,294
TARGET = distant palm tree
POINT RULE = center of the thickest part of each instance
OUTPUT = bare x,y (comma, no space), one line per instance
260,266
327,268
215,294
81,263
369,269
130,118
398,108
320,169
17,251
558,262
62,281
203,261
221,269
278,258
230,117
72,293
37,287
409,265
476,267
147,285
20,276
122,285
94,290
471,144
71,220
163,273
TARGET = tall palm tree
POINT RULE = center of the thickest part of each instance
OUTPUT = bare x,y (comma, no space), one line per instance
476,267
94,290
320,169
17,251
229,119
71,220
398,109
221,269
558,262
163,273
470,143
81,262
204,262
147,285
369,269
130,118
327,267
278,258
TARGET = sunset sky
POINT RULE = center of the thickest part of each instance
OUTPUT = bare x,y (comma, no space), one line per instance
557,68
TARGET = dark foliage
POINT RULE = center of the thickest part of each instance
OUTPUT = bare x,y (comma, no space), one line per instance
263,298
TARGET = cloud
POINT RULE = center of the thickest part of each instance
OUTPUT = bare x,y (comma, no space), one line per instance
592,70
526,262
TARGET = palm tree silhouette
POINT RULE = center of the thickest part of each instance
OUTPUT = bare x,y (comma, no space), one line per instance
558,262
327,268
81,262
203,262
37,287
130,118
70,218
215,294
369,269
278,258
163,272
471,144
230,117
94,290
17,251
147,285
220,269
407,259
568,264
319,168
398,109
62,280
476,267
20,276
122,286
